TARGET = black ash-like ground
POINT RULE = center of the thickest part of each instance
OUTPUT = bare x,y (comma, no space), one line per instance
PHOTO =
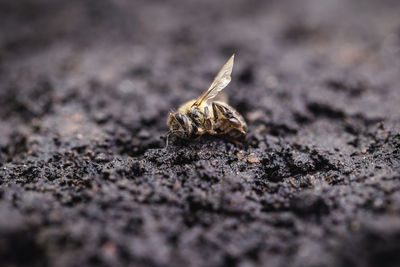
87,180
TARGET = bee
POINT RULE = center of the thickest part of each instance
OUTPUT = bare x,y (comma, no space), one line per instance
205,115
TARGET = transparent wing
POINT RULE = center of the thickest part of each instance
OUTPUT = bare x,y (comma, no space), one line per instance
219,83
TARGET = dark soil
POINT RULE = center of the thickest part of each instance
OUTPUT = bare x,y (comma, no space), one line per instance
86,179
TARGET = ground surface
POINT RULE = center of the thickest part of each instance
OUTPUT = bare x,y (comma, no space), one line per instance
86,180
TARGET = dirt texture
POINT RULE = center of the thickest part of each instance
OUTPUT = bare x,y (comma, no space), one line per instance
86,178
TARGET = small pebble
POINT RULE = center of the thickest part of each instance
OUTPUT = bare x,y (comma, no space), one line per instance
253,160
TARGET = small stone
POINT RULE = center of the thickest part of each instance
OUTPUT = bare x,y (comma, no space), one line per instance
177,186
256,115
101,158
240,155
253,160
143,134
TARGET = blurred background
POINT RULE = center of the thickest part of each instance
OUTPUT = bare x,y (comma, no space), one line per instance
85,90
137,49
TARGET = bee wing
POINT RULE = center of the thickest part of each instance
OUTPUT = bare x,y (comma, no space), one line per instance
219,83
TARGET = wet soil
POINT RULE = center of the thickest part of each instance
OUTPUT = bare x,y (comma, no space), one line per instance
86,178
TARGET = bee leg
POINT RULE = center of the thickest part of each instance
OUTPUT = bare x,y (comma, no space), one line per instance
216,111
208,122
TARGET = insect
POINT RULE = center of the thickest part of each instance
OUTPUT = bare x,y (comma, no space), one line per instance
205,115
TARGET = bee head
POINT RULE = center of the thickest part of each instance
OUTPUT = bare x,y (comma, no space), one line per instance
180,125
